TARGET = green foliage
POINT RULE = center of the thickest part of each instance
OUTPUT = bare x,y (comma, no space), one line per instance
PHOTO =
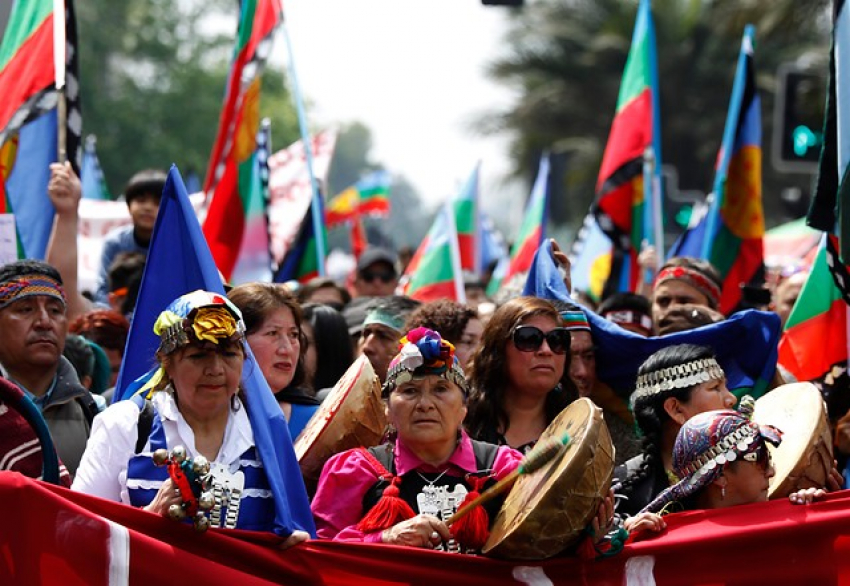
153,75
565,58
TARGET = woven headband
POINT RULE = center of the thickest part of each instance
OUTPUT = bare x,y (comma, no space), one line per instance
681,376
628,316
29,286
693,278
575,320
423,352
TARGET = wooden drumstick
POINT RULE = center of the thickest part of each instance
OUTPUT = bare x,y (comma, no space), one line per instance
533,461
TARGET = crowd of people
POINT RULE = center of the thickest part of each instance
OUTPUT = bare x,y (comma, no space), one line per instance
469,388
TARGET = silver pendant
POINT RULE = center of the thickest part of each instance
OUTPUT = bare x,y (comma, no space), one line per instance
439,502
226,488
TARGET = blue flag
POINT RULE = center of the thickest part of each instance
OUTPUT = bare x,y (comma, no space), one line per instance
745,344
91,175
179,262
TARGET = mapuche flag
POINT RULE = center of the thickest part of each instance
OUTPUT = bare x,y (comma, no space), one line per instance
620,208
732,238
434,271
228,181
28,115
468,223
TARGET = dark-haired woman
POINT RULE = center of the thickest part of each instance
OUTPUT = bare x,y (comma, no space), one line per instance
518,374
329,352
673,385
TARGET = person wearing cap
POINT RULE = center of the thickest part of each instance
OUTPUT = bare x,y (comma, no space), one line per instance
34,323
720,459
686,295
518,374
142,195
402,491
382,327
673,384
376,274
193,400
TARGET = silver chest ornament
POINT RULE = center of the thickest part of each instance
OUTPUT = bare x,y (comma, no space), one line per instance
439,502
226,488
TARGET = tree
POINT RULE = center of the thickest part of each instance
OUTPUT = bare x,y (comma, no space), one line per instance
566,61
152,83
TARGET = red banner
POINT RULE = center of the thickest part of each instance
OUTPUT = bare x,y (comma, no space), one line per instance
50,535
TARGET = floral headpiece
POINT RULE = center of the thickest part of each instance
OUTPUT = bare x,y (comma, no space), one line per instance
705,444
681,376
424,352
199,316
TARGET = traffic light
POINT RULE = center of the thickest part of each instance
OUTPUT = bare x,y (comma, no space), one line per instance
798,119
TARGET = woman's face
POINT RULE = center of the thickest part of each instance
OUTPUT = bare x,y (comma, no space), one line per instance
469,341
708,396
427,411
746,481
310,355
536,372
205,377
276,347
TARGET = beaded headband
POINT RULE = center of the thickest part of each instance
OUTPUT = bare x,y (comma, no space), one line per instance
29,285
424,352
681,376
575,320
693,278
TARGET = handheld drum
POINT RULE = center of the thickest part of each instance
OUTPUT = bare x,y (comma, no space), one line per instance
546,511
351,416
804,458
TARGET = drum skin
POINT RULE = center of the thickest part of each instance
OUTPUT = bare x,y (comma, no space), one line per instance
351,416
547,511
804,458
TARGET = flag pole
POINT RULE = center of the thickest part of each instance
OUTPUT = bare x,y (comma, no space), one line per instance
59,69
308,155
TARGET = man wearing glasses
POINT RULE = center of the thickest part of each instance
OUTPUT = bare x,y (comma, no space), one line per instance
376,273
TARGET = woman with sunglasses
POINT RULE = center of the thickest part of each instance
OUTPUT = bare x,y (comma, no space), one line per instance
519,374
721,460
673,384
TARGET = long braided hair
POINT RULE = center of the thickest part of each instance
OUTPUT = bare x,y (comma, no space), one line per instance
649,411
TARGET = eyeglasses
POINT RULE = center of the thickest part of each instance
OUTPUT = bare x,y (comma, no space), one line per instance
530,339
385,276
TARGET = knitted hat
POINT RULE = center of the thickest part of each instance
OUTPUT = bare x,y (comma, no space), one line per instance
705,444
424,352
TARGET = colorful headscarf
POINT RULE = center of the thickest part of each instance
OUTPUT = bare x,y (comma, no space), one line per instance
24,286
424,352
705,444
199,316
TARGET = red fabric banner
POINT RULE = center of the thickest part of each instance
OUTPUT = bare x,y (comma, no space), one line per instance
50,535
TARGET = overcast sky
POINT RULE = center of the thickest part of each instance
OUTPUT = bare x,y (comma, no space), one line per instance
413,72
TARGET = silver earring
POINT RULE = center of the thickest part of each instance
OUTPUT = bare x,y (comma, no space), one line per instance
722,493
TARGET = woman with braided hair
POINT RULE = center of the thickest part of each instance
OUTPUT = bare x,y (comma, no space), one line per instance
673,385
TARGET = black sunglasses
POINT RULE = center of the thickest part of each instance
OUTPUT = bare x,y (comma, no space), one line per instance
530,339
385,276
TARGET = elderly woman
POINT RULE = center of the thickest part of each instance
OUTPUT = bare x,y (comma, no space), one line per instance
195,402
673,385
273,327
720,460
402,492
519,374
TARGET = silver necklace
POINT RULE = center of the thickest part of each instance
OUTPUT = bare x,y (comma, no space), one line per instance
431,482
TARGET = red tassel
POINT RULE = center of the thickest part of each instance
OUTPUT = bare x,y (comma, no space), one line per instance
473,529
587,549
388,511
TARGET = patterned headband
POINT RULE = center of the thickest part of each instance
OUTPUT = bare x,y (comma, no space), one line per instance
575,320
693,278
681,376
424,352
29,285
199,316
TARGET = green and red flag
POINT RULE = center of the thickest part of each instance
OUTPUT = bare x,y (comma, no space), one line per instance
467,221
37,55
815,335
374,190
532,231
434,271
343,208
731,233
229,176
620,207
